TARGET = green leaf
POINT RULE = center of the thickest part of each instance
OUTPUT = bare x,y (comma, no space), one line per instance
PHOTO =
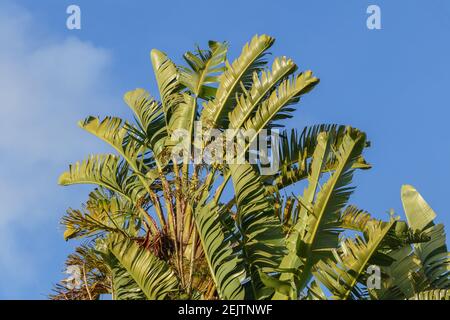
123,285
349,266
102,213
153,276
417,210
215,112
106,171
167,78
398,283
433,254
356,219
260,229
276,106
315,234
150,117
283,287
437,294
114,131
205,69
262,85
295,151
223,259
315,292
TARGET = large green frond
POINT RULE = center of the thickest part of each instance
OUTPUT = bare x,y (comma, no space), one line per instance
433,254
260,228
123,286
114,131
276,106
106,171
398,283
262,85
418,213
150,117
316,232
351,261
167,77
205,69
223,259
153,276
215,112
102,213
182,117
295,151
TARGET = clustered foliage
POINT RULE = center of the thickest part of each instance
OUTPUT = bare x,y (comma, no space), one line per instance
154,228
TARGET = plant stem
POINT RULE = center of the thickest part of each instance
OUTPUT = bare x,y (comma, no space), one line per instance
85,282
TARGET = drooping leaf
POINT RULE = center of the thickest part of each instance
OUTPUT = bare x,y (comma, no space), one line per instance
153,276
124,287
106,171
223,259
101,214
260,229
94,273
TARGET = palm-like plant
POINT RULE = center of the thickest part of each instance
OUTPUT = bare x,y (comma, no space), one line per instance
157,228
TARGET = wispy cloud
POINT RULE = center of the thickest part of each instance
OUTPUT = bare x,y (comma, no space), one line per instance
47,83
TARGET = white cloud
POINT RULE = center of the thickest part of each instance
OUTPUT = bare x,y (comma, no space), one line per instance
46,86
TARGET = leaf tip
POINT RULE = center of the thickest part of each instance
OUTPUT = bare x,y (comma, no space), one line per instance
63,179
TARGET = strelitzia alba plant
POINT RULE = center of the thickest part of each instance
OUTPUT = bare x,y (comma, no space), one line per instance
157,228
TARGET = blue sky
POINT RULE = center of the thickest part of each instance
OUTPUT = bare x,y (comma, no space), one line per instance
392,83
